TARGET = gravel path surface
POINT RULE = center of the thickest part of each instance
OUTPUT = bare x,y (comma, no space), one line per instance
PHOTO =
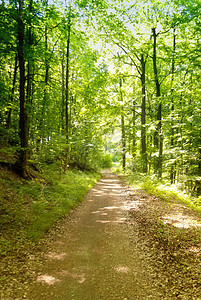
97,255
120,244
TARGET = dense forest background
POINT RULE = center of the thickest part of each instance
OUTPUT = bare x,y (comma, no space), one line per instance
87,82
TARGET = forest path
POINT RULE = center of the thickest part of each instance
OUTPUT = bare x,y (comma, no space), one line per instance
97,255
121,244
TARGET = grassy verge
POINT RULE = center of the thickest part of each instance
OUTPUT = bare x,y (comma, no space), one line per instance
162,190
29,208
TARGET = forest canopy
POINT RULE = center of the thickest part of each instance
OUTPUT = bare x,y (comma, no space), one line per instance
83,82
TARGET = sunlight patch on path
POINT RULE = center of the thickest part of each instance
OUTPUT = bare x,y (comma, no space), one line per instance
195,250
110,207
50,280
80,278
102,221
122,269
56,256
181,221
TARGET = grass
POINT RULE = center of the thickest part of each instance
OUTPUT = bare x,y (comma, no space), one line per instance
163,190
63,193
29,208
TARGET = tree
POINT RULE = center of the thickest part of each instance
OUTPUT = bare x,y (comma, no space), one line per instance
158,138
22,162
64,95
123,136
67,90
172,142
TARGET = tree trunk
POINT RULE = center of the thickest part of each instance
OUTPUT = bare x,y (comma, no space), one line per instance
172,142
143,117
67,96
41,126
123,141
29,71
21,164
134,132
158,138
123,137
198,182
63,92
134,128
181,139
45,95
8,119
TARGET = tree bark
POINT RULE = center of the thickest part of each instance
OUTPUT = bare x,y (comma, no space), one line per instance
198,182
8,119
41,127
123,137
134,131
45,95
158,138
29,71
67,96
143,116
63,92
123,141
172,140
21,164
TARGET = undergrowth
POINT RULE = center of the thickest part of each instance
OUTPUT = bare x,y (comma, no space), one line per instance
163,190
29,208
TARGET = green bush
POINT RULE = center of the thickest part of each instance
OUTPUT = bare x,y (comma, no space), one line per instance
106,161
52,150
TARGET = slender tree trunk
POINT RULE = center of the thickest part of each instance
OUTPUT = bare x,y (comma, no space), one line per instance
134,131
45,95
63,92
181,143
198,182
150,137
123,136
158,138
123,141
134,127
129,145
67,96
41,126
8,119
172,142
21,164
143,117
29,70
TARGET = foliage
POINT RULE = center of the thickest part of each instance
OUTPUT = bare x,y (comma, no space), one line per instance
97,77
106,161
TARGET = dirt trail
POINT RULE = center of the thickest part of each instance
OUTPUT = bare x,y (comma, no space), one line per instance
96,255
115,247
